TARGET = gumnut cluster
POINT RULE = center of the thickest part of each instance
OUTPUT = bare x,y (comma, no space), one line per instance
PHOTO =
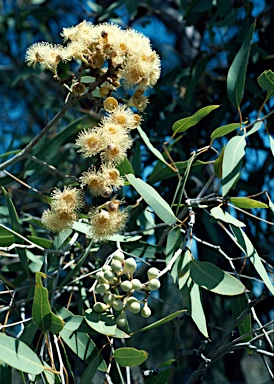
116,285
109,58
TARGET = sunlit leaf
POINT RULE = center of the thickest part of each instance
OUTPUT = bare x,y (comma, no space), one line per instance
188,122
271,144
18,355
232,161
153,199
104,323
219,214
247,203
224,130
184,268
266,80
212,278
174,241
193,300
253,256
129,357
237,71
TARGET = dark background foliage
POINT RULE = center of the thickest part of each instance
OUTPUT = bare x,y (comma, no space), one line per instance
197,41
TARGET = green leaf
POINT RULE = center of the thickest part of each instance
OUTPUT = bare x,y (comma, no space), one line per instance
188,122
271,144
45,243
81,343
232,161
42,315
142,249
87,79
219,214
104,323
153,199
16,227
193,300
266,80
184,268
125,167
212,278
247,203
90,371
237,71
150,146
19,356
129,357
254,129
166,172
238,305
247,247
269,95
224,130
161,322
218,164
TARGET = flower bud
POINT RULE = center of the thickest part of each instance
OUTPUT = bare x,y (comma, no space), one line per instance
102,288
135,307
131,300
146,311
126,286
121,320
106,192
152,273
109,275
117,267
153,285
78,89
100,307
100,277
136,284
130,265
118,255
118,305
108,298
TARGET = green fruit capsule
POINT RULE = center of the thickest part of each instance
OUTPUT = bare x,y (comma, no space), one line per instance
118,305
100,307
153,285
102,288
146,311
136,284
121,320
118,255
152,273
130,265
135,307
126,286
100,277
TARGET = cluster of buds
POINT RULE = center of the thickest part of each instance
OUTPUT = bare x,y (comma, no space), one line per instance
116,284
113,58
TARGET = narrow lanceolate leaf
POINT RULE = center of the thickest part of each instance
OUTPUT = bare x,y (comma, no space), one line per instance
271,144
150,146
247,247
247,203
90,371
193,300
266,80
212,278
15,224
153,199
219,214
125,167
238,305
224,130
188,122
129,357
218,164
161,322
184,268
237,71
19,356
42,315
232,162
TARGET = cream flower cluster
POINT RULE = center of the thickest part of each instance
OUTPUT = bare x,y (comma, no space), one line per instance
113,58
